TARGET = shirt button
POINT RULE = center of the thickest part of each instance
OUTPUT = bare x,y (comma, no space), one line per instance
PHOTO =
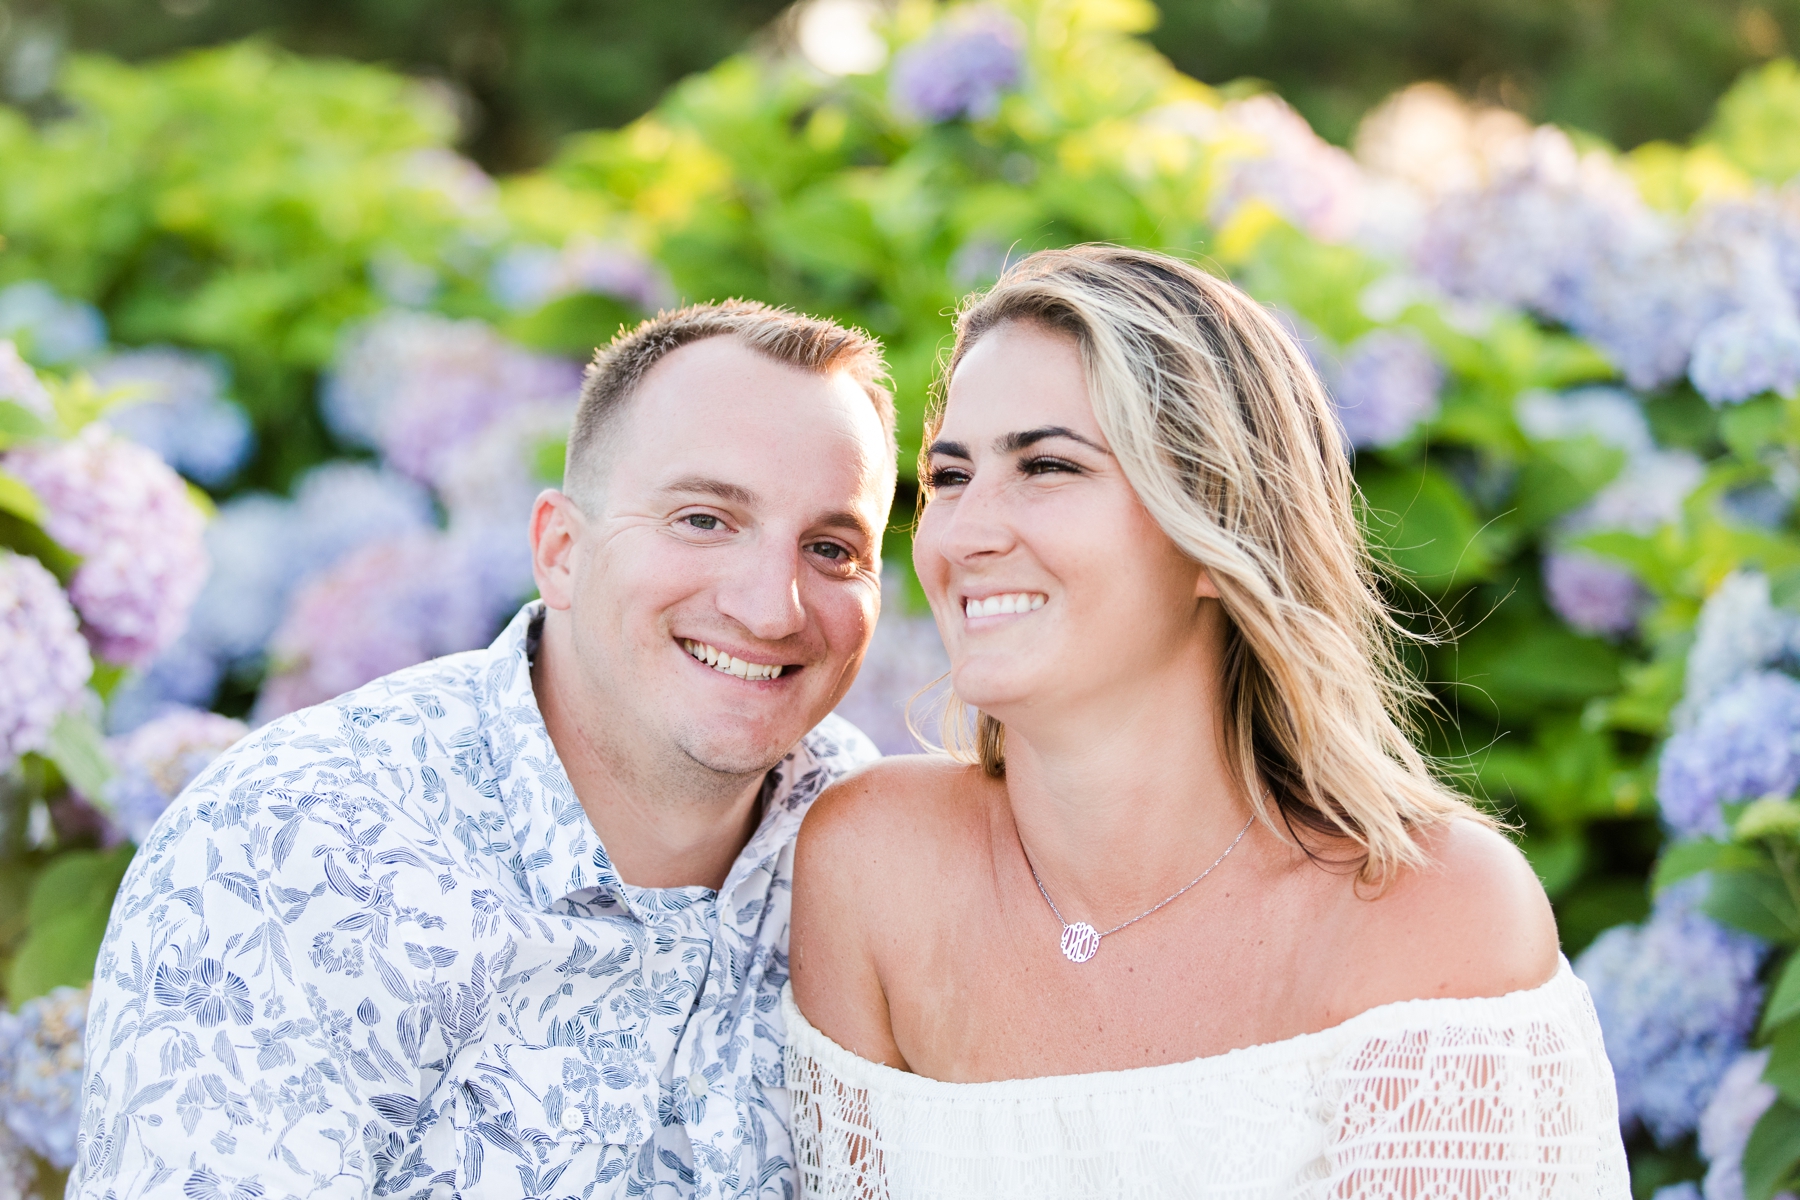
697,1085
572,1120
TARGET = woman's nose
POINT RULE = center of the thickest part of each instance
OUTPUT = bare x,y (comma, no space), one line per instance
979,524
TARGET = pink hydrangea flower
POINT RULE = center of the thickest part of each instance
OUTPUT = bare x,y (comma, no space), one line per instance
389,605
43,661
128,516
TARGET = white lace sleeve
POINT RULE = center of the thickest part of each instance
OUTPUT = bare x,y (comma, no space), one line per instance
1509,1097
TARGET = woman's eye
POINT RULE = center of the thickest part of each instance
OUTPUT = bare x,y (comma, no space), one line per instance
945,477
1046,466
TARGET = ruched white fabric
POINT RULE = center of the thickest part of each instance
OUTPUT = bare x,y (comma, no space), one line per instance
1505,1097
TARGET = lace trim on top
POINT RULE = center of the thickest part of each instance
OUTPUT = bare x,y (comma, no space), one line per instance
1488,1097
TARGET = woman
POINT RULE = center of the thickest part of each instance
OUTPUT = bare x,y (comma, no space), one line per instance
1017,974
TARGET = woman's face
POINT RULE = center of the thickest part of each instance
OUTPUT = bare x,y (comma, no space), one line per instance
1051,583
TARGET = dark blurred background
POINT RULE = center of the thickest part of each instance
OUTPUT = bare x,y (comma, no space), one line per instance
533,70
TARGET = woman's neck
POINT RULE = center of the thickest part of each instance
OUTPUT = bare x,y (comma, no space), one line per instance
1123,798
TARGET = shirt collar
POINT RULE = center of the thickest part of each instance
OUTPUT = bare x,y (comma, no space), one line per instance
557,852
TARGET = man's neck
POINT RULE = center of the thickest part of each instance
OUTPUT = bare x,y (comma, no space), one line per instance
662,825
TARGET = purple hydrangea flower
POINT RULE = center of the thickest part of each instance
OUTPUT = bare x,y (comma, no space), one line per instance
159,758
960,69
528,277
176,406
1744,744
488,488
53,330
389,605
20,384
44,662
1685,1190
1591,594
1740,1101
1269,153
1387,382
1677,997
128,516
905,657
41,1073
416,386
1739,630
17,1171
339,506
1747,353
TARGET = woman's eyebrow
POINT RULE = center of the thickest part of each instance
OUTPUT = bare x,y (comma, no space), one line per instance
1011,443
948,450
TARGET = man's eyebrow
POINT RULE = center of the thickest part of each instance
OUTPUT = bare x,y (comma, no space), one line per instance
846,520
1013,442
699,484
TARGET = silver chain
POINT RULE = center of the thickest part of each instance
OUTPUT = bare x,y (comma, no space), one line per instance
1148,911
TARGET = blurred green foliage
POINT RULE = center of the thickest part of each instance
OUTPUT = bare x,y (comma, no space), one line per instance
1629,70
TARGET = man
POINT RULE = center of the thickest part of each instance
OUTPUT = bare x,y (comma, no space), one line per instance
514,923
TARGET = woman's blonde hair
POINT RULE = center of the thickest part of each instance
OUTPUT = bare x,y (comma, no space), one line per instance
1225,432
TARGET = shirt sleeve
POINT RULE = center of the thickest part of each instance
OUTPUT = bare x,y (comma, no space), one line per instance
269,1014
1512,1098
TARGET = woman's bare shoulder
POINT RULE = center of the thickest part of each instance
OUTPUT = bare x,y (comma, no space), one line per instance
902,800
1473,921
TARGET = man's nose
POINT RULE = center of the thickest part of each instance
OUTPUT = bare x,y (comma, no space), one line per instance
762,593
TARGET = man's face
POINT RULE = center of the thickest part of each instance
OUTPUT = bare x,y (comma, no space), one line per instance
739,514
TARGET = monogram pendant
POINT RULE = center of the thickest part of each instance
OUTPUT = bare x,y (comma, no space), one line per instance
1080,942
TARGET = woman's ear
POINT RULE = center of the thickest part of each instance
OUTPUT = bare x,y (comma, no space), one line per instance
1204,588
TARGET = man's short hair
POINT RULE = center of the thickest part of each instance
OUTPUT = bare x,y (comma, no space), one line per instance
810,343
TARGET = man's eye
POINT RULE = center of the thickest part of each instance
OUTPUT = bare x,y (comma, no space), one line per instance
830,551
704,521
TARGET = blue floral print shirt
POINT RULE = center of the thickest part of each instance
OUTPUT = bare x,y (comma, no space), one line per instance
377,949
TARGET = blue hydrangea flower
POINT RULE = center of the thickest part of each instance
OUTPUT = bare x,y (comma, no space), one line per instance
1739,1102
1744,744
1387,382
1739,630
960,69
1746,354
176,406
1677,997
41,1073
51,329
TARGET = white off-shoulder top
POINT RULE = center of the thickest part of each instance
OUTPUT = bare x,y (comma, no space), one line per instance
1509,1096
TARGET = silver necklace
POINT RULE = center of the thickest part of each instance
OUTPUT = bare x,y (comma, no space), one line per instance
1081,941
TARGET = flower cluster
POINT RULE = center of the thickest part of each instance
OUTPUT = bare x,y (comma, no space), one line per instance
1745,743
139,536
53,330
416,386
961,68
44,662
1677,997
1387,382
41,1073
159,758
174,403
529,276
389,605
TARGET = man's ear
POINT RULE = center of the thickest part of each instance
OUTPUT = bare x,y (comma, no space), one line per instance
556,526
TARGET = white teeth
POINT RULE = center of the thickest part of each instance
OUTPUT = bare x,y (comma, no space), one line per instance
719,661
1008,602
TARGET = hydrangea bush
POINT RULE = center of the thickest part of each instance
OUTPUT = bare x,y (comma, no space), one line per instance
1566,376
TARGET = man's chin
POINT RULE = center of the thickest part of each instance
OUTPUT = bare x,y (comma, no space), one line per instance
739,752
